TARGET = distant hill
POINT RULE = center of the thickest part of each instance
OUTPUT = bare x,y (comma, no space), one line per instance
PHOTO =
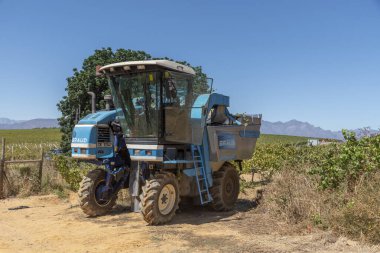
6,123
9,121
299,128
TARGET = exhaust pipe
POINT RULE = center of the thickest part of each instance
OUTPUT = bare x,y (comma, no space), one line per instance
93,97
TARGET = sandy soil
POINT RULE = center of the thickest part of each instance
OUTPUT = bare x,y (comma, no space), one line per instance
50,224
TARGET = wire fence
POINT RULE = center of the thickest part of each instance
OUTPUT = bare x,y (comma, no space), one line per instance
25,169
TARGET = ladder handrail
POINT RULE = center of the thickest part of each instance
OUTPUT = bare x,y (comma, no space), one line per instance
203,175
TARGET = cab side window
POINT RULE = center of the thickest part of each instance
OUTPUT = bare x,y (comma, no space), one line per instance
176,91
177,103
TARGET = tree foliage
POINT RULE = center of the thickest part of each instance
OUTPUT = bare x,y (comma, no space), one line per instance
76,103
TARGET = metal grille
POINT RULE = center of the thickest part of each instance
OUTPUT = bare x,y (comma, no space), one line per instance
104,134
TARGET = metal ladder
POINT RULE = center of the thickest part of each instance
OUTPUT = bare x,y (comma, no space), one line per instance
200,175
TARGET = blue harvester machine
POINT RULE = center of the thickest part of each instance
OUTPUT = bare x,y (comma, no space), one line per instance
179,142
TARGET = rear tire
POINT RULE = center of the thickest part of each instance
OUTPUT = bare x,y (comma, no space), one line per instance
159,199
225,189
87,194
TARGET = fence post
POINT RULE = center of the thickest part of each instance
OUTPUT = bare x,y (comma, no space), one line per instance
2,168
40,167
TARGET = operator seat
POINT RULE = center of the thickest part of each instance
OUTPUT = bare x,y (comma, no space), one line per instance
218,116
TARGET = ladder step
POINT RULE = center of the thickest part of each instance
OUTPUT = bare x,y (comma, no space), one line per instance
200,175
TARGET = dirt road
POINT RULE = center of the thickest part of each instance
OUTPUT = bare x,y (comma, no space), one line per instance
49,224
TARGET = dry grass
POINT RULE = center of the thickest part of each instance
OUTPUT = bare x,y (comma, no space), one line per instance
294,196
359,216
23,180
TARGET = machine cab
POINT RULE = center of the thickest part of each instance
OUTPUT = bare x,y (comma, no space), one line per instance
154,100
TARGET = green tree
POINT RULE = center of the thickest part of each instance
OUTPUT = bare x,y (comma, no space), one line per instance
76,103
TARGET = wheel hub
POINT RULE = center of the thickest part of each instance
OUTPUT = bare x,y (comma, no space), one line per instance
229,187
166,200
99,194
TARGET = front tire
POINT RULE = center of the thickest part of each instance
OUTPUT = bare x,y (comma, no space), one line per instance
159,199
225,189
88,201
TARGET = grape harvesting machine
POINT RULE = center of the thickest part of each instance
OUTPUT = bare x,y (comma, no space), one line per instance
165,139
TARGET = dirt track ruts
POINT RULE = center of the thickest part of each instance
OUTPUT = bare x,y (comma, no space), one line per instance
54,225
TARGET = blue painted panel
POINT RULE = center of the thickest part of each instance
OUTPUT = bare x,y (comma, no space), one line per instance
226,141
249,134
158,152
189,172
206,158
84,135
201,100
91,151
198,119
104,152
101,117
218,99
178,161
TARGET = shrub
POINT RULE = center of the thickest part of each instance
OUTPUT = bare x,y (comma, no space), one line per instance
349,161
271,158
72,170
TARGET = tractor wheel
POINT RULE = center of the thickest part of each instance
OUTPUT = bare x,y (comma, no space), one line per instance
225,189
159,198
88,188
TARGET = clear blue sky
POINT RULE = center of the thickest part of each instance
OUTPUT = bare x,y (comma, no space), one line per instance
315,61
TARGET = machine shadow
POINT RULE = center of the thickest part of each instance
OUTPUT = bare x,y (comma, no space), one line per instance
197,215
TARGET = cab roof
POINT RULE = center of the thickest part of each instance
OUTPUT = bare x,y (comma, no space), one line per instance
171,65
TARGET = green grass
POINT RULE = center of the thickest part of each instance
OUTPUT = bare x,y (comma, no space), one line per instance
272,138
35,136
53,135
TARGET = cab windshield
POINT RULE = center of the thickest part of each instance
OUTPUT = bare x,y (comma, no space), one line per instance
137,98
154,104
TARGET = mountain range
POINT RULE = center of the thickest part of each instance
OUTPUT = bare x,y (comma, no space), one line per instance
292,127
298,128
6,123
